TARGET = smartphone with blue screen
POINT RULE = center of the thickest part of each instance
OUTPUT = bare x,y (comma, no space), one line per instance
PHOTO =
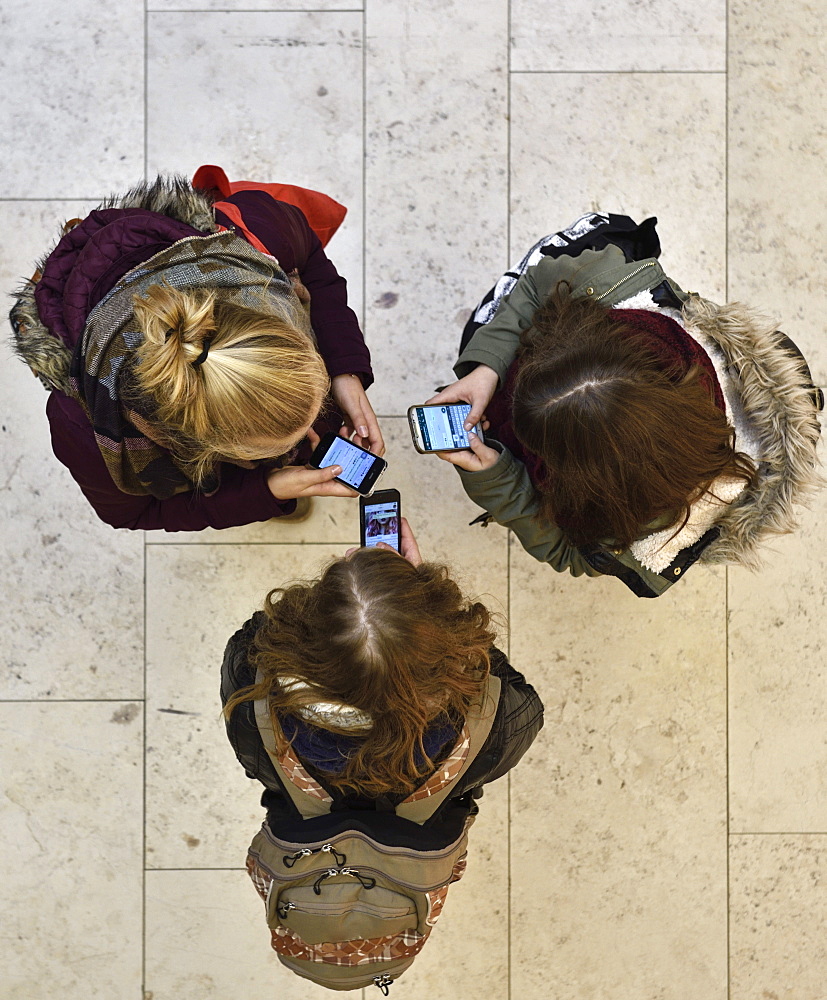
361,469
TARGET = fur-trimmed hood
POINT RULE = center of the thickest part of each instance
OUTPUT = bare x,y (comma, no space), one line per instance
46,354
779,407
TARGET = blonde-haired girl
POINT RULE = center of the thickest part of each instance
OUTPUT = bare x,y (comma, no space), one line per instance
196,341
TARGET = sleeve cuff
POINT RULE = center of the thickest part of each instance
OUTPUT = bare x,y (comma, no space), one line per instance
471,357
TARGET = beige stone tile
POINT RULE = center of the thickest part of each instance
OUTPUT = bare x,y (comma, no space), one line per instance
636,144
74,586
245,6
207,939
71,879
436,162
618,812
72,115
777,687
778,909
201,809
643,35
777,150
273,96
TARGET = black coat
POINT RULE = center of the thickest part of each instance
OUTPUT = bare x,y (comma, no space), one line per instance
518,719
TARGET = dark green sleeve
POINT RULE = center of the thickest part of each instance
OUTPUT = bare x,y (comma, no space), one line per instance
506,492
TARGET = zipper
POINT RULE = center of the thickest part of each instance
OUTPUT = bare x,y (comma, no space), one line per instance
316,908
402,852
617,284
286,879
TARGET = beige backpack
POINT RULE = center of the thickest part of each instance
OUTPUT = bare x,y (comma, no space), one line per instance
351,895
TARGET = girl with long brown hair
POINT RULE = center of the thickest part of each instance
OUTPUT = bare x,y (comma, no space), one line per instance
196,341
368,675
634,428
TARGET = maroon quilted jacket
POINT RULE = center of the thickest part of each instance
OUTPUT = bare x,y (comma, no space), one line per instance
88,262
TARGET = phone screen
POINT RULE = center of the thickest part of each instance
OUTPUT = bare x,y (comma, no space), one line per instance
382,524
355,463
442,427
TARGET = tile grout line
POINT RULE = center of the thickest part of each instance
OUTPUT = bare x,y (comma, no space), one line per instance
144,991
726,569
364,168
364,193
256,10
143,771
618,72
507,264
726,770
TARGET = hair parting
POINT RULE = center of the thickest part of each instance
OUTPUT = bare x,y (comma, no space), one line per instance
397,642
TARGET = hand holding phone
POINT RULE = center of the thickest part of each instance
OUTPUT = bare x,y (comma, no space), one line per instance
358,468
476,388
294,481
475,459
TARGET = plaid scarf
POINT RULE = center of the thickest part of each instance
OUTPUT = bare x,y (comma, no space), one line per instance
136,450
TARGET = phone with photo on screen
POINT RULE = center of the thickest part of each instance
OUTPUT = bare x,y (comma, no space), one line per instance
381,519
360,468
440,427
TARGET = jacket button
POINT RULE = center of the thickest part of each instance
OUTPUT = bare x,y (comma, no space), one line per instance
589,290
677,571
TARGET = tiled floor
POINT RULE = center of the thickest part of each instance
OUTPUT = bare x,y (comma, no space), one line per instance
666,837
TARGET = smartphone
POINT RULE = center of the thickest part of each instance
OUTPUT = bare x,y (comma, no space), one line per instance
381,519
440,427
360,469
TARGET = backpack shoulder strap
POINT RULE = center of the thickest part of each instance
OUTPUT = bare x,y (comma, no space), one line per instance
307,805
478,722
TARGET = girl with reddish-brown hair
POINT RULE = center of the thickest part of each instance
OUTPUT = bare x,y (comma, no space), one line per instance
368,675
633,428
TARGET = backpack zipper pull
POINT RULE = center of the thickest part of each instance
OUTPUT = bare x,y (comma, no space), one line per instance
340,859
317,885
290,859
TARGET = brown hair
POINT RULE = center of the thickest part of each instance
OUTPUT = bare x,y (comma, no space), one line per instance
396,641
625,441
262,375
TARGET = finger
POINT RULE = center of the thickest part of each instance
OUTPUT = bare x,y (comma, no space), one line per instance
313,439
351,551
448,395
311,477
410,548
475,441
476,414
464,459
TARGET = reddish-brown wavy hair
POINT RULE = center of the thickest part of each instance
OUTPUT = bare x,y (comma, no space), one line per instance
625,441
397,641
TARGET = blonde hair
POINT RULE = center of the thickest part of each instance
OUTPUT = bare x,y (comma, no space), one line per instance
261,377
